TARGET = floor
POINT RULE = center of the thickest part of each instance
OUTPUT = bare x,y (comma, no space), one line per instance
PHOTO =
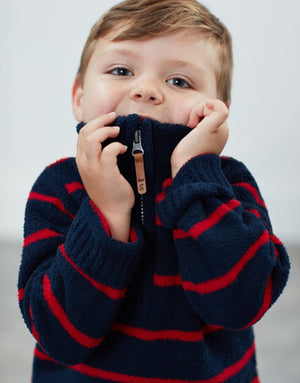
277,334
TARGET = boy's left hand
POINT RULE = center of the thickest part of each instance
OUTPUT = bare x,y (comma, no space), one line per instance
209,133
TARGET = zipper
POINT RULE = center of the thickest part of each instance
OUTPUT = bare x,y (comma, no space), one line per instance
138,154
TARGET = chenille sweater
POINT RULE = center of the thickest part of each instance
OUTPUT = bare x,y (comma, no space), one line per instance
174,304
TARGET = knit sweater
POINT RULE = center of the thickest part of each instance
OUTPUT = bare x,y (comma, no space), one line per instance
174,304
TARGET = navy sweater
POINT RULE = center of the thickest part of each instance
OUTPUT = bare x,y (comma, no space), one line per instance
177,302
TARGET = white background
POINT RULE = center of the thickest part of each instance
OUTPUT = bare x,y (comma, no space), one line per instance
41,42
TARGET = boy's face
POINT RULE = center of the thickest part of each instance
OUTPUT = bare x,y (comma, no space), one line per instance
162,78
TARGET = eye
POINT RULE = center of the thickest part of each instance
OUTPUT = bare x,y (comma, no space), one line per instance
120,71
179,82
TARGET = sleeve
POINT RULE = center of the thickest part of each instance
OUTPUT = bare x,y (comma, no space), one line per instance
73,275
232,267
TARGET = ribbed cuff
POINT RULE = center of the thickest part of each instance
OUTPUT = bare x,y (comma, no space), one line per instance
200,177
105,259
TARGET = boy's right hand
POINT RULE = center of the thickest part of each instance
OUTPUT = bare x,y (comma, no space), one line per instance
98,168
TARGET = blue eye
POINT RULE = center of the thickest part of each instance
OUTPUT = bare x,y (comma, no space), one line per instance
121,72
178,82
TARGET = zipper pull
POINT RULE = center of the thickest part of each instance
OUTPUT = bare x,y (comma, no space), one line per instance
138,154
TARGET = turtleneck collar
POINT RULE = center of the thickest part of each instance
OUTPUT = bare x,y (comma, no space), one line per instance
158,140
163,137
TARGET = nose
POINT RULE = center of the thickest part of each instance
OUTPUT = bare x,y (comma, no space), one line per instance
147,91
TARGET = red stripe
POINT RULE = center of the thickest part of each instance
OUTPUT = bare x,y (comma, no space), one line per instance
167,280
40,235
253,191
104,223
107,290
53,200
275,240
266,303
58,162
234,369
255,380
73,187
180,234
214,218
123,378
62,317
41,355
158,221
255,212
21,293
151,336
208,222
225,280
132,235
162,194
102,218
217,283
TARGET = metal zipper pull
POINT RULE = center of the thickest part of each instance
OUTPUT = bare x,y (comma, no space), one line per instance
138,154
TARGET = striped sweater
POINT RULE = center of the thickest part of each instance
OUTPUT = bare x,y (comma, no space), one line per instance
174,304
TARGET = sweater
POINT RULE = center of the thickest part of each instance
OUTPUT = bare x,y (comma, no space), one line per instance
178,301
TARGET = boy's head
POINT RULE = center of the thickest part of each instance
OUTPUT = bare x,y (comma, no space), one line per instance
145,20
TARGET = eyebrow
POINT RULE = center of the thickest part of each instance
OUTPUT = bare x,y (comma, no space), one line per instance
185,64
177,62
120,51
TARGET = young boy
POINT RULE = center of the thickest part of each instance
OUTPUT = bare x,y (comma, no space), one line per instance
149,257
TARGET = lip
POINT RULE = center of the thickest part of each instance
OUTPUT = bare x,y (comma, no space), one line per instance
143,116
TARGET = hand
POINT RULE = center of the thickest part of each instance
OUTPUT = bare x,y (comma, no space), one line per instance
209,133
100,174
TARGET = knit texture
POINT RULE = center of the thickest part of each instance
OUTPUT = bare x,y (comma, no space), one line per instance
177,302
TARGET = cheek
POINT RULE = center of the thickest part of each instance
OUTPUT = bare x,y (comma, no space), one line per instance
97,101
181,114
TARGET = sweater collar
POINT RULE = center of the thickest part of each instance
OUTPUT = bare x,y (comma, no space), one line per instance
158,141
164,135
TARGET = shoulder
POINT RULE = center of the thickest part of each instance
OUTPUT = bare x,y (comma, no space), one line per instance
63,164
57,175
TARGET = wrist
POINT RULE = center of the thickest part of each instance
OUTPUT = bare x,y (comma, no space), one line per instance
176,166
119,223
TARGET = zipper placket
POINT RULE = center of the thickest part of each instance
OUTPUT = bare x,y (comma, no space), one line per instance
138,154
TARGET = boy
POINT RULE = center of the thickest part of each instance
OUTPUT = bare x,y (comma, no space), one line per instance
149,257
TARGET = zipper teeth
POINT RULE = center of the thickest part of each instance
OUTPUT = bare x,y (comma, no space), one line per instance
142,210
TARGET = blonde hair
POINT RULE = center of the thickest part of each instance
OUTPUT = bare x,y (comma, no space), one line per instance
145,19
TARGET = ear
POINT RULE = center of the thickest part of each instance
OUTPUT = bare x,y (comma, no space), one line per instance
77,95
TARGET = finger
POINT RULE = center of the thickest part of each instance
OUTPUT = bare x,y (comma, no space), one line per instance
111,152
215,114
91,145
100,135
99,122
215,109
196,115
215,106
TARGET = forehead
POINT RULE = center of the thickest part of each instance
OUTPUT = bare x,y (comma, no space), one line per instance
183,46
